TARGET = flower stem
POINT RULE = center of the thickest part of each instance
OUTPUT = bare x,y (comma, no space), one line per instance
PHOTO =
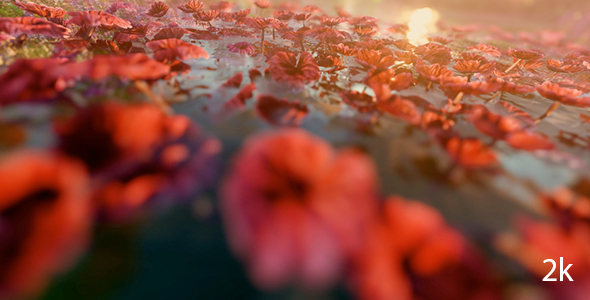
513,65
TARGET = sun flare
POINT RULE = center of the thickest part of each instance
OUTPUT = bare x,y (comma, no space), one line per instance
422,21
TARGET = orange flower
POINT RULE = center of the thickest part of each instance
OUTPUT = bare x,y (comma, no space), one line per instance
400,107
434,53
41,10
296,210
375,58
285,67
280,111
171,49
487,49
32,26
470,153
411,253
45,220
138,156
432,72
191,7
262,4
158,9
553,91
473,66
132,66
525,54
97,18
454,85
564,66
377,77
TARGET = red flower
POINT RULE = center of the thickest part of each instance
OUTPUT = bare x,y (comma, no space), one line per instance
170,33
331,21
487,49
132,66
470,153
36,80
440,40
474,66
41,10
243,48
206,16
496,126
171,49
191,7
434,53
285,67
240,16
513,88
295,210
564,67
399,28
529,141
433,72
375,58
454,84
138,155
32,26
97,18
262,4
525,54
553,91
280,111
158,9
45,217
388,77
412,253
402,108
283,15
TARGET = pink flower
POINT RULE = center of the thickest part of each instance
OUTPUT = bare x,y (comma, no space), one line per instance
285,67
244,48
295,209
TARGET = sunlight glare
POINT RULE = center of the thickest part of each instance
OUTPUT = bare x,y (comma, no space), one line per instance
422,21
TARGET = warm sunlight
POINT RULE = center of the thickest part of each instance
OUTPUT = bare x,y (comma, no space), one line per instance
422,21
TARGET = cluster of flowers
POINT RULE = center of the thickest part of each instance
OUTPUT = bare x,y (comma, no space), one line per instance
295,210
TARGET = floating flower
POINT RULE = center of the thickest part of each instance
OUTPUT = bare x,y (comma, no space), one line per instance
403,108
135,66
170,33
158,9
97,18
432,73
388,77
375,58
262,4
473,66
459,86
191,7
32,26
520,55
280,111
41,10
487,49
296,72
171,49
138,156
206,16
45,220
439,39
553,91
564,66
412,252
470,153
295,210
243,48
434,53
36,80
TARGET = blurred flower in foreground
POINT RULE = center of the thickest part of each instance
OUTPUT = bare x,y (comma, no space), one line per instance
413,254
138,155
295,209
44,220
